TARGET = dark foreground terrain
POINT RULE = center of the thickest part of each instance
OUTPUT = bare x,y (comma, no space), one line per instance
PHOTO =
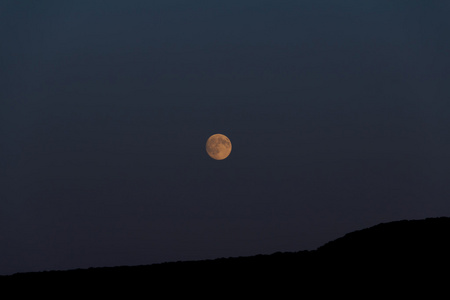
402,256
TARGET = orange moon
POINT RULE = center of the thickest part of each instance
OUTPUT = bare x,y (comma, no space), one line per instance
218,146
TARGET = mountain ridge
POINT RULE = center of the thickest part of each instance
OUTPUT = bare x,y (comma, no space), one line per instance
409,249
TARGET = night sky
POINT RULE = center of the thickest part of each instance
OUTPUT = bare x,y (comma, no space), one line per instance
338,113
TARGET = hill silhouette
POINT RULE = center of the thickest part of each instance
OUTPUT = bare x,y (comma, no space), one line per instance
407,251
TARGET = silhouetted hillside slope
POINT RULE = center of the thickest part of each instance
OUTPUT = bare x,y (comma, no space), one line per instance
411,236
386,253
409,250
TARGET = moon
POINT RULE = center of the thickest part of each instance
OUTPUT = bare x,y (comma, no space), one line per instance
218,146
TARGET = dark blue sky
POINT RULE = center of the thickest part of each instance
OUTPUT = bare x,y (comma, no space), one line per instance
338,112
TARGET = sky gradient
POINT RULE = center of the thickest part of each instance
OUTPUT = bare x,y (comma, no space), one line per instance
338,113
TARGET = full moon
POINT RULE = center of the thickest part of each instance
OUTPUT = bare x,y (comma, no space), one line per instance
218,146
